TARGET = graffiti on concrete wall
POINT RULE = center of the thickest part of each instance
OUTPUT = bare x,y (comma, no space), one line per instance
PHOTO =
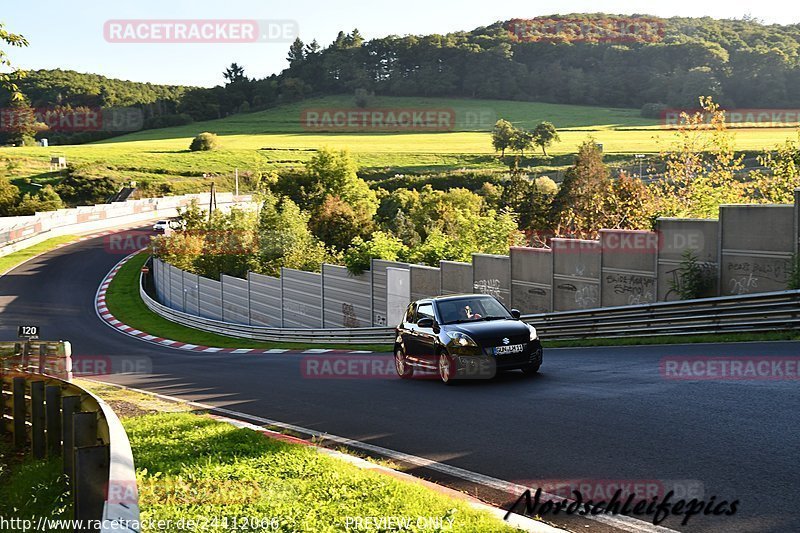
350,320
638,289
586,297
488,286
745,277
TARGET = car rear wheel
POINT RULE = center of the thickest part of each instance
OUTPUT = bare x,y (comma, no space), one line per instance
446,368
404,370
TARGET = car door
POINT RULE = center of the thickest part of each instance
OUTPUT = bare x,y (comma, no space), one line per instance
425,337
408,330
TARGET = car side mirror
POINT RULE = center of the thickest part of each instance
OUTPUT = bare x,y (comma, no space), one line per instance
515,313
425,322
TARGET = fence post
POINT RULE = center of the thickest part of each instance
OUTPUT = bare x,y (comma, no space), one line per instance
42,358
26,355
53,415
20,432
2,401
69,405
37,419
91,477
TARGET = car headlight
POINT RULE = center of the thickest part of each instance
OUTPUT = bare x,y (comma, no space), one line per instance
534,334
461,339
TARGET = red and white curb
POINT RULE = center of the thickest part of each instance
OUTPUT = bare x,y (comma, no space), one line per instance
105,315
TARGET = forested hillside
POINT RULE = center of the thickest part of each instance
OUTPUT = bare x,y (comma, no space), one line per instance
587,59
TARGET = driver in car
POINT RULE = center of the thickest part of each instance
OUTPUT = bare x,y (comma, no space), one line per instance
467,314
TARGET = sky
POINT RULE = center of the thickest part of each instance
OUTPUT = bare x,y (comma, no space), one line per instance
70,35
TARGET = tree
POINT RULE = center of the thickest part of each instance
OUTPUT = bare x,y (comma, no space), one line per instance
544,135
521,140
336,223
778,184
335,173
297,53
45,200
9,196
21,125
579,204
234,74
204,142
284,238
381,245
8,80
502,135
701,166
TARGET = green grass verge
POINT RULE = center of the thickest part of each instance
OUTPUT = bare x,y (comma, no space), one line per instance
126,305
30,489
7,262
192,467
678,339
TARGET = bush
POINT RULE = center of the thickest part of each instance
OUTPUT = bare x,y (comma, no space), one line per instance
653,110
694,278
204,142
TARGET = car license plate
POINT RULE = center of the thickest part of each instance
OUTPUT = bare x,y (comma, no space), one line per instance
512,348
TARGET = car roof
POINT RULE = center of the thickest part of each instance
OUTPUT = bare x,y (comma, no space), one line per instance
452,297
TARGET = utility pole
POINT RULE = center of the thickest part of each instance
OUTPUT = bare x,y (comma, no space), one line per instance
212,200
640,157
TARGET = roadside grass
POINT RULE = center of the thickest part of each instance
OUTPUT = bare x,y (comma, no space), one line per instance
676,339
32,488
124,302
192,467
7,262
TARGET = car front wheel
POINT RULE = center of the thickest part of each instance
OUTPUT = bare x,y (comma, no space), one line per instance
530,370
404,370
446,369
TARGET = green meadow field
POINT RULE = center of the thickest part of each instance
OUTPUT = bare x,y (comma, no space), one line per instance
275,139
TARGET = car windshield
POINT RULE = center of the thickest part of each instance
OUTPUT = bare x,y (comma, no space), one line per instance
470,309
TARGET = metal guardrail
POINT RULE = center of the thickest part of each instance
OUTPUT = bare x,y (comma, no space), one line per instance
57,418
768,311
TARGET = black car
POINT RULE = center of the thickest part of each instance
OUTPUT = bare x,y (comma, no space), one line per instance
468,336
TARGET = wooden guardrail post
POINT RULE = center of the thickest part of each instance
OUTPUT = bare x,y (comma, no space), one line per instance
42,358
26,355
37,419
91,478
20,431
69,406
52,405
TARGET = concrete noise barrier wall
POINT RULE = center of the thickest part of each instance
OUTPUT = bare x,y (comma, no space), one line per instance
531,280
347,299
266,301
676,236
628,267
757,246
577,266
456,277
491,274
379,309
302,299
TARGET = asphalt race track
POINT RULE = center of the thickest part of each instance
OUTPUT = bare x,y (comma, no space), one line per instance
602,414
